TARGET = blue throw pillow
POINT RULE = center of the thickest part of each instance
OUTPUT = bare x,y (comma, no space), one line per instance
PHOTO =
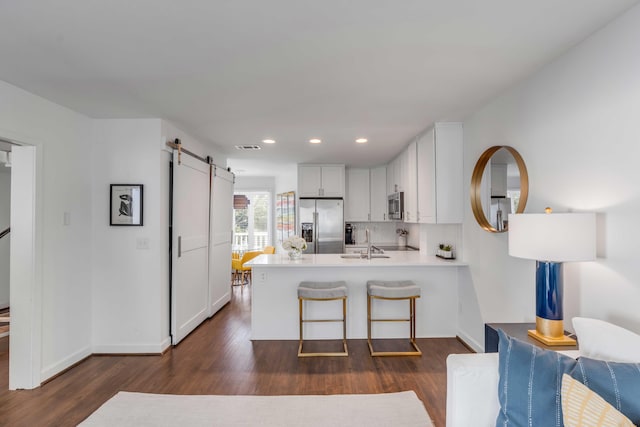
531,380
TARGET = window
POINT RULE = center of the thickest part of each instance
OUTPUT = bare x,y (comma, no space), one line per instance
251,220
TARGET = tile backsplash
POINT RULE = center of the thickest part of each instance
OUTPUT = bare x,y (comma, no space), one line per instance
385,232
426,237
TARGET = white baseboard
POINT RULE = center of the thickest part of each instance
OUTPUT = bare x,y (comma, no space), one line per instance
132,348
220,303
471,342
55,368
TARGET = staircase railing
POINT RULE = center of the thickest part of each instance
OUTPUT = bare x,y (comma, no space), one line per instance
5,232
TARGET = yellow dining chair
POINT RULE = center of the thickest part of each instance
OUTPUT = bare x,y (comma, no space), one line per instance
269,250
244,270
235,258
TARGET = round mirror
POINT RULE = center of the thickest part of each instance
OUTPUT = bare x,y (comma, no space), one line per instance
499,186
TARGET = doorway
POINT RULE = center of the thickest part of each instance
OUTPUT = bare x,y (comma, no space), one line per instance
251,220
24,286
5,236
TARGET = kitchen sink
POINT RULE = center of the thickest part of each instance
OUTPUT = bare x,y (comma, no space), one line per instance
363,256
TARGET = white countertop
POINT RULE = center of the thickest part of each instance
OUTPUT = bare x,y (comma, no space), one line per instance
396,259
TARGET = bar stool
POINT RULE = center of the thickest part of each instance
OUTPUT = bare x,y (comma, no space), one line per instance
393,290
323,291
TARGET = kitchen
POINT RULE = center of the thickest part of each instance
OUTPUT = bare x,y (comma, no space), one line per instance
414,202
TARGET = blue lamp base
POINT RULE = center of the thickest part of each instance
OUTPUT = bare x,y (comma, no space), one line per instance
549,315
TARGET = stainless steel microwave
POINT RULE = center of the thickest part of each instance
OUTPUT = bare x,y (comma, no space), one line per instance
395,205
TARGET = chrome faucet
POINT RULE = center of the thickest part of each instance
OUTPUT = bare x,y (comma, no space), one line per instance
371,248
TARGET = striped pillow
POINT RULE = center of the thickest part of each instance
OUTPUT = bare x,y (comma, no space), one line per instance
582,407
531,378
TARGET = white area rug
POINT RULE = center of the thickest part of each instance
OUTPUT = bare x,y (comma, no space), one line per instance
370,410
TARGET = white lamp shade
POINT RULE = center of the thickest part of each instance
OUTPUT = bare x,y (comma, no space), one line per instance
555,237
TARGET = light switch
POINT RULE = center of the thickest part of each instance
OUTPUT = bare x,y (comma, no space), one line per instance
66,218
142,243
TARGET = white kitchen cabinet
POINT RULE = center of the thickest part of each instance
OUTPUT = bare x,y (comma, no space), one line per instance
321,180
378,193
411,186
427,178
440,175
366,194
357,199
391,182
396,173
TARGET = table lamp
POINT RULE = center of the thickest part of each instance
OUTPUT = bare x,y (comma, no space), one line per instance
552,239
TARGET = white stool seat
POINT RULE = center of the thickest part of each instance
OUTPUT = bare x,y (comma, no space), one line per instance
393,289
322,290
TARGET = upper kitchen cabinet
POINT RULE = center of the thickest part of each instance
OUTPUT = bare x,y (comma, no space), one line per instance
357,200
440,175
378,193
366,196
397,173
411,187
321,180
391,182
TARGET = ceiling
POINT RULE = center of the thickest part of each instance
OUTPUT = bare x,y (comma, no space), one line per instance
235,72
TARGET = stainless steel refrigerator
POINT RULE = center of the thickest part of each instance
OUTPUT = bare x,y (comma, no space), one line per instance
322,225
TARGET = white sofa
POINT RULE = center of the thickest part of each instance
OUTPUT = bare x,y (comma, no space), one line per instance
472,379
472,389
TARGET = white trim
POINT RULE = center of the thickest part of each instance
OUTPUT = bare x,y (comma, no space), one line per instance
51,370
221,302
468,340
158,348
25,349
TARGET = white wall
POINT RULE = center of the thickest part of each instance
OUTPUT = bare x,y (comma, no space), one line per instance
127,282
5,205
576,125
117,300
131,286
62,138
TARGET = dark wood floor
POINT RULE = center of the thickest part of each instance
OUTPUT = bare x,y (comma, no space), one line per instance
219,358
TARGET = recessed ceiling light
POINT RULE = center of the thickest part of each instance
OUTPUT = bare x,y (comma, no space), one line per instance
315,141
361,140
248,147
269,141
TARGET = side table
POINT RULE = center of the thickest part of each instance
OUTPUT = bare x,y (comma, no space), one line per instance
518,331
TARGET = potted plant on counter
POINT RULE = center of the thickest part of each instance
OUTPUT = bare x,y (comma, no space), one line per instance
445,251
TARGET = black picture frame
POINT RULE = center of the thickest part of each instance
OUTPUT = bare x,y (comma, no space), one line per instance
125,205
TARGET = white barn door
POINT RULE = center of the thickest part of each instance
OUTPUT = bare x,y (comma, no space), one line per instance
221,239
190,245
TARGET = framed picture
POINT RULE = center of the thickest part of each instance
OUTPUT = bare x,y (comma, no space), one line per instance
125,204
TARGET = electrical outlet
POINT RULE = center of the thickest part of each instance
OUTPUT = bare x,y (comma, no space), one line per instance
142,243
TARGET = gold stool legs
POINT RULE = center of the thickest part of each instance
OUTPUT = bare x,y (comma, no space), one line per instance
344,327
412,328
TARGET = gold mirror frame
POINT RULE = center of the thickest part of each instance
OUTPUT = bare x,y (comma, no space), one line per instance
476,186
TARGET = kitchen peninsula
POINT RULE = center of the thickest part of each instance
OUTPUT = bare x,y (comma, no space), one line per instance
274,301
